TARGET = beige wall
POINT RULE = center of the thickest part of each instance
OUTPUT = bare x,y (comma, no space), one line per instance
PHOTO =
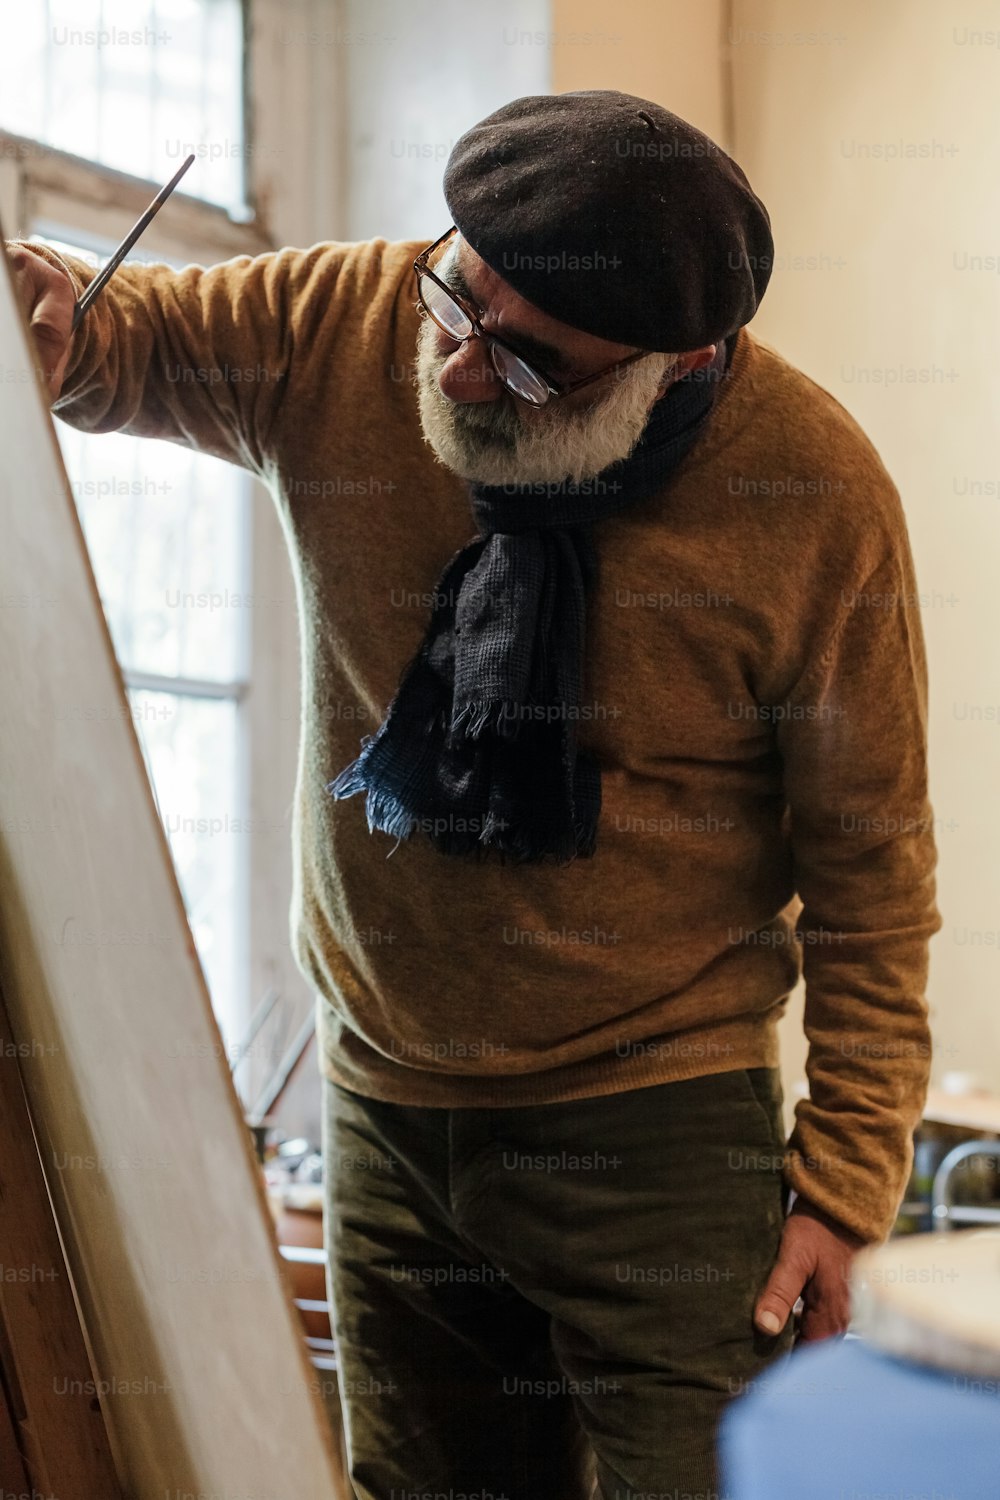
425,72
894,292
667,50
872,280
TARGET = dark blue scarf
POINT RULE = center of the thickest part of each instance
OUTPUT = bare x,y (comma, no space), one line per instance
478,749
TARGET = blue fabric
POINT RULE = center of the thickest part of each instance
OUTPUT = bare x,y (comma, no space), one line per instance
840,1420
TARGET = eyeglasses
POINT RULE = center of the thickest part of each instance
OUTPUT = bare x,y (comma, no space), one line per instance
462,320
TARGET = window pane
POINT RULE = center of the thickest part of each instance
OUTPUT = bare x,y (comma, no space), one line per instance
165,530
167,534
191,749
133,84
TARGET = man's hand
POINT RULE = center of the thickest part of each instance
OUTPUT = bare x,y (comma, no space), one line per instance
47,296
813,1263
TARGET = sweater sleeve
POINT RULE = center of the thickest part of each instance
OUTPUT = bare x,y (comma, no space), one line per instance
853,739
202,355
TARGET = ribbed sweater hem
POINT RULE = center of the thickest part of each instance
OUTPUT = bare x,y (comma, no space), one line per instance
346,1059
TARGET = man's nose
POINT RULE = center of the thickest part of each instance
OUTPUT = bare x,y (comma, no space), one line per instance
468,375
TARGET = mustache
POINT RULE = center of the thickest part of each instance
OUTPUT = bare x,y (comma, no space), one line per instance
495,422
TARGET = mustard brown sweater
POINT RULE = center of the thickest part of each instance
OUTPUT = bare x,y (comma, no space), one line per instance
755,691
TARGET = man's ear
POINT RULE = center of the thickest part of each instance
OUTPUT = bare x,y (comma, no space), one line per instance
695,359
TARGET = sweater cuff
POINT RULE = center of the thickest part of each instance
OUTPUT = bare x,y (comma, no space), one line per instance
861,1198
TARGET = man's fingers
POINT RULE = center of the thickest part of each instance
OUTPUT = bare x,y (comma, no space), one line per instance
51,317
783,1289
827,1309
818,1323
46,329
48,298
814,1262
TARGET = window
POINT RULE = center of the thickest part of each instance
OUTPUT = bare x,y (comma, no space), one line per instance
170,532
132,84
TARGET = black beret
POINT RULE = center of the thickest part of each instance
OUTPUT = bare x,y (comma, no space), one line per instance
614,216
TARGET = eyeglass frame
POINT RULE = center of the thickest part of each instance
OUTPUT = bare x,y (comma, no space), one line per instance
556,389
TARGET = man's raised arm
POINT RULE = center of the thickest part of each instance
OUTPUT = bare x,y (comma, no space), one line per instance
199,356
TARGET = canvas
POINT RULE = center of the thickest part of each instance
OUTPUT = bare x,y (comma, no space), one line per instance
206,1385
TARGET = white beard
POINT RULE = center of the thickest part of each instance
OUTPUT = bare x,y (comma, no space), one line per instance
487,442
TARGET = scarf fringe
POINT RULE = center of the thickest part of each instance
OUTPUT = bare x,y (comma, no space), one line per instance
521,849
499,838
350,781
383,809
475,719
586,840
387,813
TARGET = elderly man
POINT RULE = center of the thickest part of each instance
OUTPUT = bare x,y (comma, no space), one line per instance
626,606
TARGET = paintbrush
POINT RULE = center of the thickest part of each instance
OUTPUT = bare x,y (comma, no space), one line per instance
105,274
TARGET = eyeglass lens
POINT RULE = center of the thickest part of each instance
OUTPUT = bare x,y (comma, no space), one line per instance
516,375
443,308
